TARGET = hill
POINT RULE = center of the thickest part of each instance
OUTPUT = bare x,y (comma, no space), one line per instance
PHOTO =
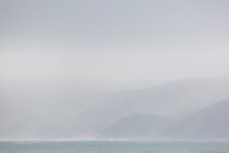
209,123
178,97
136,126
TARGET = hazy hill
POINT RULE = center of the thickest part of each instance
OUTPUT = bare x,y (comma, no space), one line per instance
56,109
176,97
136,126
209,123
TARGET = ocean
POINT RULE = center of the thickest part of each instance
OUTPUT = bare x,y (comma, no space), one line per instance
114,147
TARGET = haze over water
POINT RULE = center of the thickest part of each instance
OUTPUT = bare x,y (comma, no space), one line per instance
134,76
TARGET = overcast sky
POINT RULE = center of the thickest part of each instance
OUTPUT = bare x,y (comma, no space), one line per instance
114,39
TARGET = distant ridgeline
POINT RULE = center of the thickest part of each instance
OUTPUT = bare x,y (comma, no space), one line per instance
183,109
208,123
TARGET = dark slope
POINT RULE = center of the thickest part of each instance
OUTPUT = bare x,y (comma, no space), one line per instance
171,98
209,123
136,126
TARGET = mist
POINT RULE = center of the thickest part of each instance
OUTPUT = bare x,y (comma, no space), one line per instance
98,69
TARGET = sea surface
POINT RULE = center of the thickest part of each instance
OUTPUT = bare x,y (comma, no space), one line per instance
114,147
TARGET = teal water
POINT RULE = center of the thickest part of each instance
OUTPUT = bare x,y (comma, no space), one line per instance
113,147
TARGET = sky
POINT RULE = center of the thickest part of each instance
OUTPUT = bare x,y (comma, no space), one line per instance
59,59
114,40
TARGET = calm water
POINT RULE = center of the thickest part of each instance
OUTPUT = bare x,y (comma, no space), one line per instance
113,147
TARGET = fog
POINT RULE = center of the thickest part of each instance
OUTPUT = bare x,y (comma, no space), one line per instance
79,69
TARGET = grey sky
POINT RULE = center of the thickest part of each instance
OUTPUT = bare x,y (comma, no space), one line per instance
63,61
117,40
